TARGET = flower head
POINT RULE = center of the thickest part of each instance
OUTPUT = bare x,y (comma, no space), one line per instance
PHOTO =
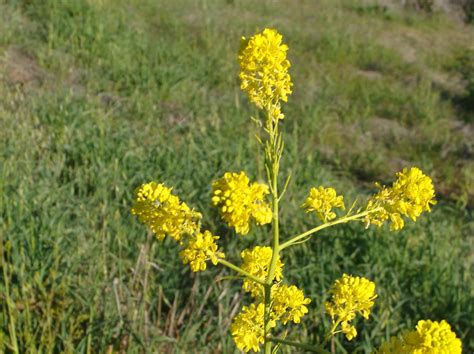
163,212
257,262
289,303
322,200
350,296
410,195
238,201
247,328
264,70
429,337
199,249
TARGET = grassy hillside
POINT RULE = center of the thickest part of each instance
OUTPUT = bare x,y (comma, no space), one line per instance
97,97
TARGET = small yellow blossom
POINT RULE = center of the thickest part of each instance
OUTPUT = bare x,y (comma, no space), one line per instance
321,200
429,337
264,71
201,248
247,328
410,195
238,201
350,295
163,212
289,303
256,262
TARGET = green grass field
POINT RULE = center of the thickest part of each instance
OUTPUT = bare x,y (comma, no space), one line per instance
99,96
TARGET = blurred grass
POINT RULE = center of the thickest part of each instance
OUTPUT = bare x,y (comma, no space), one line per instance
97,97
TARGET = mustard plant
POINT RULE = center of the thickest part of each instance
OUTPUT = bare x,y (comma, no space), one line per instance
243,204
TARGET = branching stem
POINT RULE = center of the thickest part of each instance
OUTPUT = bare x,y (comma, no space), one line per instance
241,271
342,220
306,347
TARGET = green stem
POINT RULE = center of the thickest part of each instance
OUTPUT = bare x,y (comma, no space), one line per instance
266,326
241,271
307,347
274,152
276,233
331,332
342,220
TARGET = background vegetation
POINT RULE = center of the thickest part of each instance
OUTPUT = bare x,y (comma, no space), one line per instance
97,97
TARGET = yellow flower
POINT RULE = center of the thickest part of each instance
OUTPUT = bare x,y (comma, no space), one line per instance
289,303
163,212
257,262
264,71
350,295
415,191
201,248
247,328
321,200
429,337
410,195
238,201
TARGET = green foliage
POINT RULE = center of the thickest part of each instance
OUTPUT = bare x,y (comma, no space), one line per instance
469,11
423,5
97,97
465,66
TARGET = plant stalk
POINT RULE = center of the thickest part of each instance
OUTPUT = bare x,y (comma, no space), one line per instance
307,347
342,220
241,271
273,152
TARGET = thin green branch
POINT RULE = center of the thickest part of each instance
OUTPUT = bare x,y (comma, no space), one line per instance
241,271
307,347
342,220
332,331
287,182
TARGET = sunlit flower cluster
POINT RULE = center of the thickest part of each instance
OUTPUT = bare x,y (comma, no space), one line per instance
410,195
429,337
264,70
289,303
163,212
199,249
322,200
350,296
239,200
247,328
256,261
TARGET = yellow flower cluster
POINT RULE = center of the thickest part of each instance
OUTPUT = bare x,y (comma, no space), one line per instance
429,337
289,303
264,71
163,212
350,295
410,195
238,201
322,200
201,248
256,262
247,327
